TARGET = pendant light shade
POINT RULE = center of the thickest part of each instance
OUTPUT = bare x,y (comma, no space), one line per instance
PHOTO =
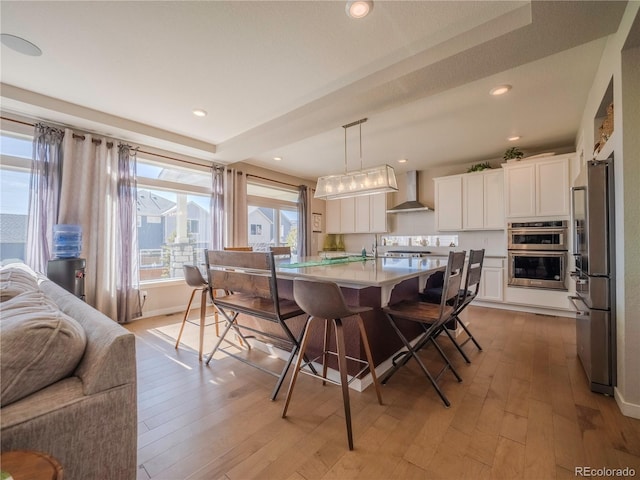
361,182
356,183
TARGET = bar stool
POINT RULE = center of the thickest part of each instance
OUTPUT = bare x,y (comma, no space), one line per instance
323,300
467,295
194,279
432,317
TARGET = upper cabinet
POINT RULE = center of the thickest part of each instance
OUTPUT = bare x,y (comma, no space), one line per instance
365,214
537,187
448,202
472,201
333,216
483,200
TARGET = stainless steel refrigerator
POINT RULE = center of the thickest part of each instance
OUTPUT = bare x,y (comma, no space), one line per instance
594,251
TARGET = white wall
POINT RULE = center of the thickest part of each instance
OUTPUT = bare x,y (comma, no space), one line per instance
626,146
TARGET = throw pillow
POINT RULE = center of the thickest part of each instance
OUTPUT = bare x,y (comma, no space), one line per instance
39,345
15,280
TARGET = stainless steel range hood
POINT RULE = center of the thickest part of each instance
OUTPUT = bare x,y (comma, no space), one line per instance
411,204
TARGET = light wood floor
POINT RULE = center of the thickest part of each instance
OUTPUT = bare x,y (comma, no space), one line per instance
522,411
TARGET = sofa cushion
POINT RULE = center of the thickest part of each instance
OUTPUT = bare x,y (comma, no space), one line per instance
16,279
39,345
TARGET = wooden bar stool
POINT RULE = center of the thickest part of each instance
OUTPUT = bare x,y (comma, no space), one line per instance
323,300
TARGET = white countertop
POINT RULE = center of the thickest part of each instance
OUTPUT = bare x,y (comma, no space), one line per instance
376,272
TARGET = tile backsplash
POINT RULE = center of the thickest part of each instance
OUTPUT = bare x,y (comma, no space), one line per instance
418,240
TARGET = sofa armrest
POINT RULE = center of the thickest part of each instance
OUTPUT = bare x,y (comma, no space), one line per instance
109,359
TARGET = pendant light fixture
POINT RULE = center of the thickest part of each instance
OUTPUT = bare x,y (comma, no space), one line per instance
357,183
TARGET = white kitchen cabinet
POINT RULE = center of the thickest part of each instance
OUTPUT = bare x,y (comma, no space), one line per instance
365,214
362,214
483,204
493,197
332,210
552,188
378,213
347,215
537,188
492,280
472,201
448,199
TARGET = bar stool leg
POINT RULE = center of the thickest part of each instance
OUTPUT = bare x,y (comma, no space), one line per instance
186,315
325,349
367,351
216,320
203,311
342,366
296,369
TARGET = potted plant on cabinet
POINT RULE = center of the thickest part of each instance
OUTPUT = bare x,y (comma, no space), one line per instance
513,154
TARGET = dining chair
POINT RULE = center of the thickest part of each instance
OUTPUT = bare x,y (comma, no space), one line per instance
194,279
323,300
250,286
432,317
465,296
239,249
286,251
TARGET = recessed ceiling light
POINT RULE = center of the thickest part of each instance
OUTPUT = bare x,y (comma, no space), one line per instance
20,45
500,90
403,160
198,112
359,8
514,138
277,159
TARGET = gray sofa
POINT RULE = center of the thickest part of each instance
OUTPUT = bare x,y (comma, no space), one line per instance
87,420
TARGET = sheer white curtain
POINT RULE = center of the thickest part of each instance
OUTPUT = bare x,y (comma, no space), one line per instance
235,207
217,208
127,278
44,195
304,221
88,198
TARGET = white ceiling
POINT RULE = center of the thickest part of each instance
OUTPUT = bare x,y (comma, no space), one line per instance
280,78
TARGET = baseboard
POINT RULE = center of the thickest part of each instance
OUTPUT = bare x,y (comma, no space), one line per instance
525,308
161,311
628,409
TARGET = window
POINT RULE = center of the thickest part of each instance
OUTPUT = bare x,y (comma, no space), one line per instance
15,167
273,216
193,226
174,221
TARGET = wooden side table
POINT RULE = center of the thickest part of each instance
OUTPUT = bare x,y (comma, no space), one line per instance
30,465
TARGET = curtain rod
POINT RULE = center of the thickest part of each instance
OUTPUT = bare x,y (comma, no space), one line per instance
110,144
18,121
275,181
95,141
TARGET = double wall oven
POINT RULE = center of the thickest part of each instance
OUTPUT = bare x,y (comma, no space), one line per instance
538,254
